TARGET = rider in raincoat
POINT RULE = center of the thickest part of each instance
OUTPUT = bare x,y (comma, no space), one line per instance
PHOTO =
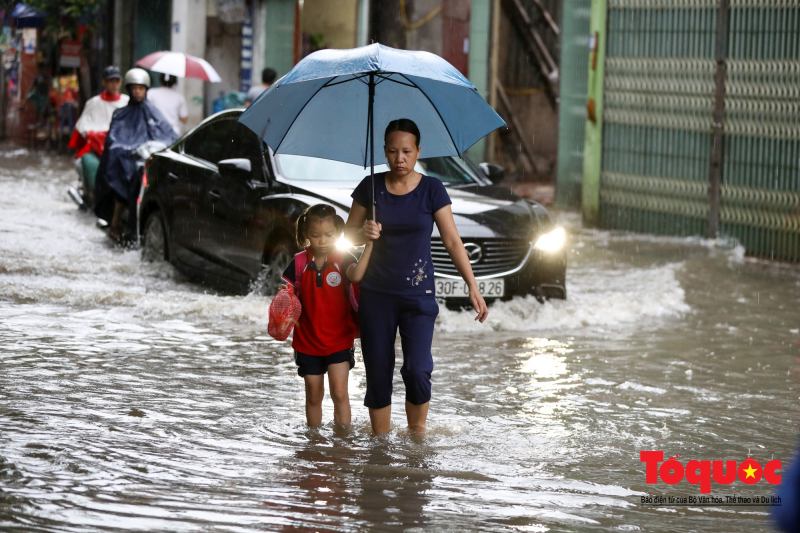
118,178
89,136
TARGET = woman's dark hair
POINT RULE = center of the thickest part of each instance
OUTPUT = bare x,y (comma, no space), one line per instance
402,124
319,211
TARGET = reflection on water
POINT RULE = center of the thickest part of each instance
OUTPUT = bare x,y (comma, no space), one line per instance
132,399
361,484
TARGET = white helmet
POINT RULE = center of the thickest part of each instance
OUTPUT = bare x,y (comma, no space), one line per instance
137,76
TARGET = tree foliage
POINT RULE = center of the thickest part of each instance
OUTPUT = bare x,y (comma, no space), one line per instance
60,14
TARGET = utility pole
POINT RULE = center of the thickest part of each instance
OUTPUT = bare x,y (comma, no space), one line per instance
718,121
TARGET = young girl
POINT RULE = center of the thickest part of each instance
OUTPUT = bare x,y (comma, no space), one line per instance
323,336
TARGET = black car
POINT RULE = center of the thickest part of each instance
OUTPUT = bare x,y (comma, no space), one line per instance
221,207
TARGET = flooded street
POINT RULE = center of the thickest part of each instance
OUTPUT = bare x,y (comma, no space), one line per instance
132,399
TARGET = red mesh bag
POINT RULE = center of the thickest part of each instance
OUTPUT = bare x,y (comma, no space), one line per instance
284,311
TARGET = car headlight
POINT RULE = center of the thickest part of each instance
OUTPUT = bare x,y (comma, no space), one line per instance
344,244
552,241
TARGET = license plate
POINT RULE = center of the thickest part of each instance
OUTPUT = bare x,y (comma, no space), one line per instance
457,288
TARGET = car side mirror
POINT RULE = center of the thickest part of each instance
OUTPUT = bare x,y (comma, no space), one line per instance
494,172
239,167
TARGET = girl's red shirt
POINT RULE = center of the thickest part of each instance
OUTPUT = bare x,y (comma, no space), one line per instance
327,324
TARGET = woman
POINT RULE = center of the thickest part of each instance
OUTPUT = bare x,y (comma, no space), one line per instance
398,288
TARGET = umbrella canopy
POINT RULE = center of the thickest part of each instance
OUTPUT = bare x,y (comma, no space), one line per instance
334,102
180,65
27,16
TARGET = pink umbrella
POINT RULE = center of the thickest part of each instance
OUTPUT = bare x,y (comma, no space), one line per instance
180,65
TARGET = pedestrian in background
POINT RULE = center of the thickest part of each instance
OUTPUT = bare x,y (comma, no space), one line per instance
118,177
268,76
170,102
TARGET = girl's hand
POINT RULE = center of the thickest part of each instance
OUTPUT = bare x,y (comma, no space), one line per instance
372,230
478,304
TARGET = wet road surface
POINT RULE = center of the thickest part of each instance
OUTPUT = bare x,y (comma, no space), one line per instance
131,399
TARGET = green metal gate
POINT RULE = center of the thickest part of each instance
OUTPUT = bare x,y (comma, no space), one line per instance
658,120
760,203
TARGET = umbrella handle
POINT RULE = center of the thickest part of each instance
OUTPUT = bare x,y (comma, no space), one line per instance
371,140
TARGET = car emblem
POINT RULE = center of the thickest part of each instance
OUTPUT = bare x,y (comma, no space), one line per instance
474,252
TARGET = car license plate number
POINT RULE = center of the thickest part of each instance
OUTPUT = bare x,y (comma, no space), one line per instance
457,288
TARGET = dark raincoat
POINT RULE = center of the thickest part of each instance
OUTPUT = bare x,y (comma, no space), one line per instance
117,176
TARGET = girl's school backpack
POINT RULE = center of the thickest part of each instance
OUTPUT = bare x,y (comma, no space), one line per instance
284,312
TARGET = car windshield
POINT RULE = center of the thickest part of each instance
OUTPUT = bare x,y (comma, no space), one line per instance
452,171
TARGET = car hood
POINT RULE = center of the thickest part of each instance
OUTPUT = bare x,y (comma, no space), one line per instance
479,211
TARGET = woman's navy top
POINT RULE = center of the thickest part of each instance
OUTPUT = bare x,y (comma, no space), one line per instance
401,259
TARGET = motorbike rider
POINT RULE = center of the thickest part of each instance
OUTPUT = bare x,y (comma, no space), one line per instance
119,177
89,135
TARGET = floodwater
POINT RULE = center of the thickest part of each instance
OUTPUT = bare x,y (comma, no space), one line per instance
131,399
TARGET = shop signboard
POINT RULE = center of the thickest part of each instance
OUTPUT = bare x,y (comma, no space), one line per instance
70,54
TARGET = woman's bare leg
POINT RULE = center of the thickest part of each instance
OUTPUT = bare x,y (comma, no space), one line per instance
381,419
337,380
417,416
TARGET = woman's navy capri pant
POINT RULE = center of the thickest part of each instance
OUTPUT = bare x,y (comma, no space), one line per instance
380,316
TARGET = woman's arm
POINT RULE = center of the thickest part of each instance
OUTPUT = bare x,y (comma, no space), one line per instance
355,221
358,229
452,242
356,271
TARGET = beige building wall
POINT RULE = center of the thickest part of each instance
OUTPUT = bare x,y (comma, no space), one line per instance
336,21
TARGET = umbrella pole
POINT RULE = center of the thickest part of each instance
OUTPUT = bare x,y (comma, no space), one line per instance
371,138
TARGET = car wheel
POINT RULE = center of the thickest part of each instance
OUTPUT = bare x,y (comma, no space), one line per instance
154,245
273,264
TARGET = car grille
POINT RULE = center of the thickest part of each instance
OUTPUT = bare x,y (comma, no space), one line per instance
498,255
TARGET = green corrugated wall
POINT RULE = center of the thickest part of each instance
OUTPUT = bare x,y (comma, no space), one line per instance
659,81
657,132
760,203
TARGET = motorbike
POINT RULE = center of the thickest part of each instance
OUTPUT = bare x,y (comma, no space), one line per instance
83,192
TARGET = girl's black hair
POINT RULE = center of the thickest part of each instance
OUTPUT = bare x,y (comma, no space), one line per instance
402,124
319,211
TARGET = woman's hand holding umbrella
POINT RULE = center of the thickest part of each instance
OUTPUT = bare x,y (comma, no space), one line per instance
372,230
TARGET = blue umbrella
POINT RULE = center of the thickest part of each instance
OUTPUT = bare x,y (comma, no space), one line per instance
328,105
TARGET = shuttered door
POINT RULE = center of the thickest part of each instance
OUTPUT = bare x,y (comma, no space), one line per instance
760,203
659,82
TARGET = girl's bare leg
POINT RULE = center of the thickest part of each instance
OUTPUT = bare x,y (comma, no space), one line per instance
337,380
315,390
